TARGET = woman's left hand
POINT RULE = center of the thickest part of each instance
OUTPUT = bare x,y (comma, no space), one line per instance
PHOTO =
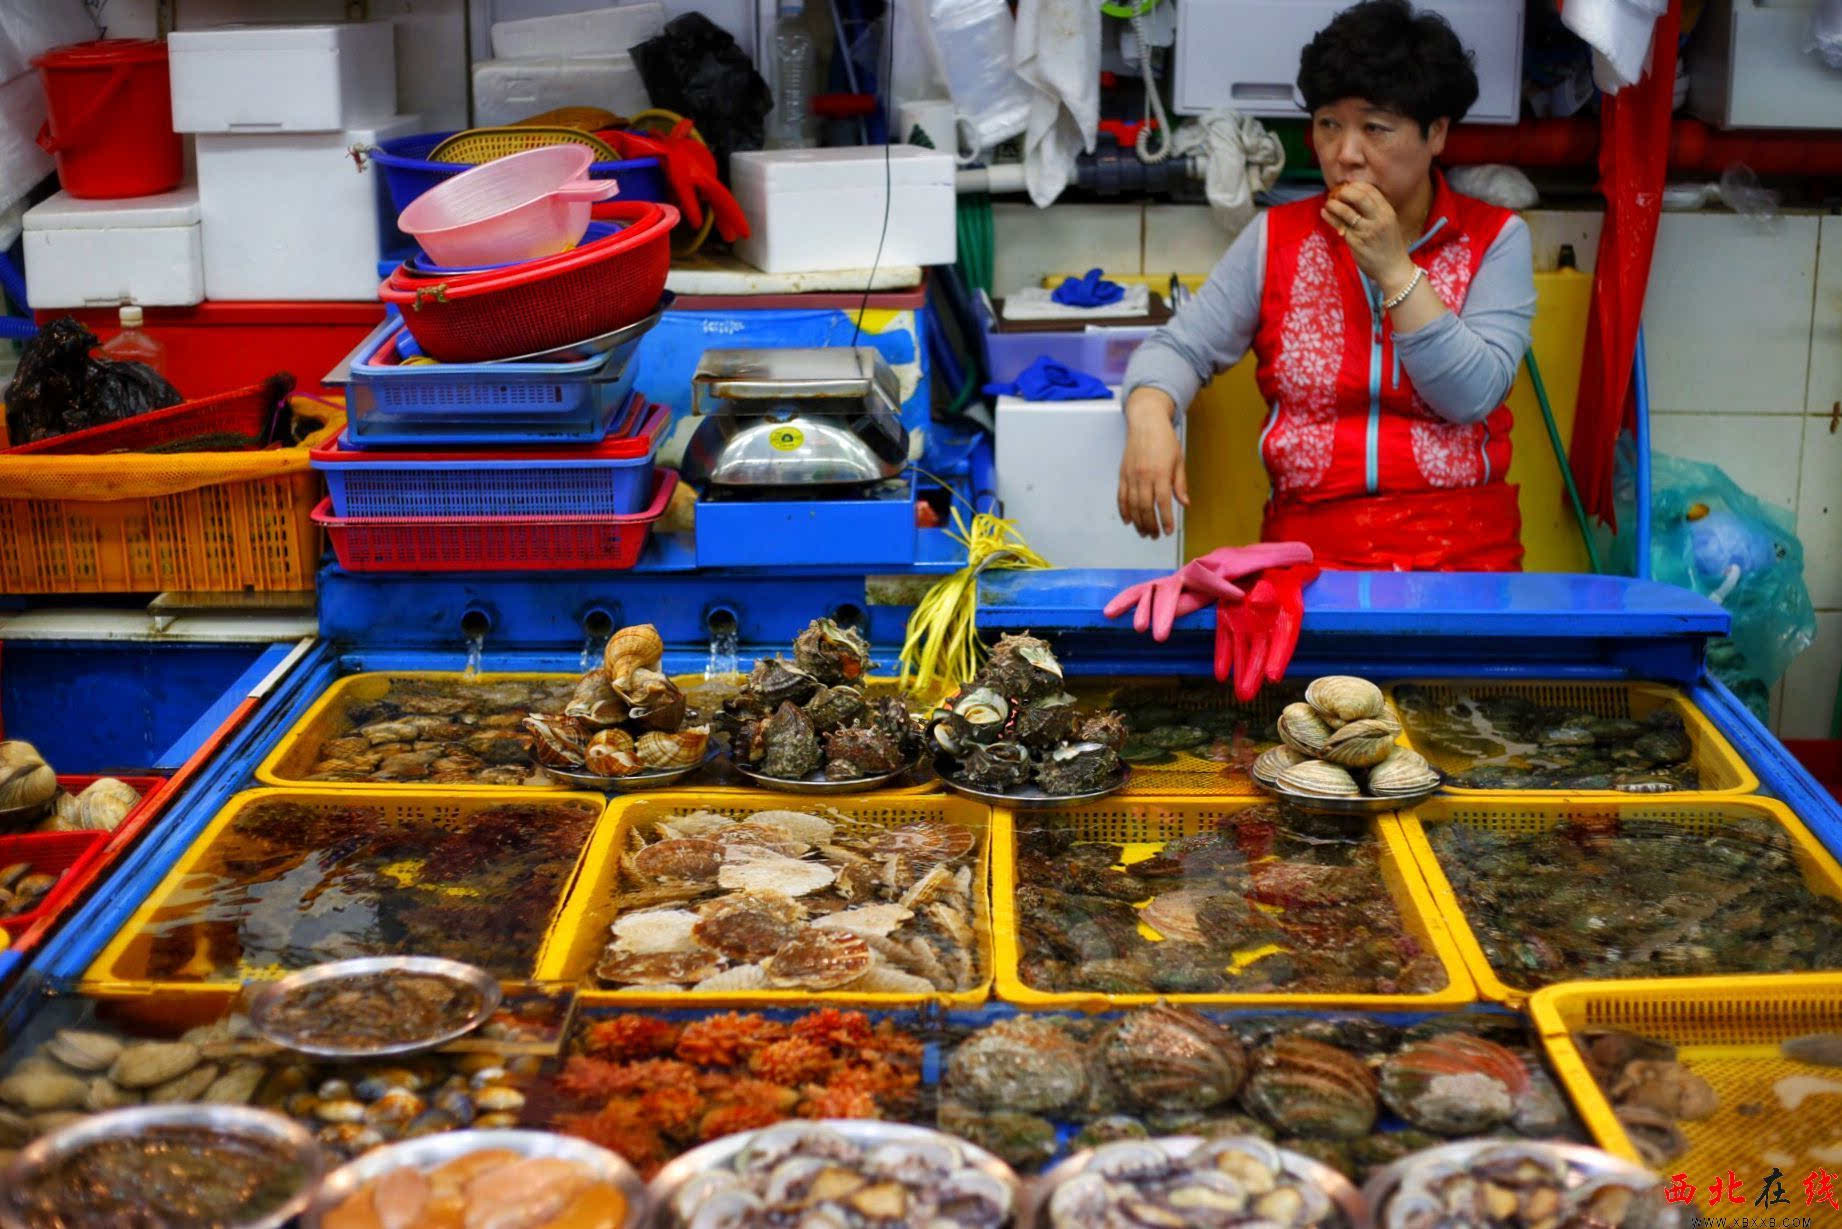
1363,216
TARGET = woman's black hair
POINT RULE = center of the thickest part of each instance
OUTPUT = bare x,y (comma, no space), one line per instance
1385,52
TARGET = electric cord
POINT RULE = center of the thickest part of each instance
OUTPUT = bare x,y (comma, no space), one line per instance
888,188
1154,105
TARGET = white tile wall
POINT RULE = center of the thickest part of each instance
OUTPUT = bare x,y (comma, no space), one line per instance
1727,314
1751,448
1031,243
1810,687
1819,510
1182,239
1825,389
1551,229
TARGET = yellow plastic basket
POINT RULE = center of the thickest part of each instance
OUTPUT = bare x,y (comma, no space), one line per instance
577,940
1722,771
1727,1029
1187,774
477,145
294,754
1149,822
112,973
1529,813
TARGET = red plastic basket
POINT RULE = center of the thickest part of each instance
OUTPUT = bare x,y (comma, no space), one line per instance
66,854
494,544
241,411
541,304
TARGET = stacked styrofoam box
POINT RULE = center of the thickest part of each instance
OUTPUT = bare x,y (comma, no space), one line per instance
95,253
290,208
572,59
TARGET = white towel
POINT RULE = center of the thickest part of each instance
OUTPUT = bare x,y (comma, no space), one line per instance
1058,56
1242,158
1619,33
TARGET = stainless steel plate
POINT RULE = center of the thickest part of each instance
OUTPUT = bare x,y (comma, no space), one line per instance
818,784
719,1153
1363,805
606,343
262,1126
652,779
1583,1162
1343,1194
434,1150
1030,797
272,996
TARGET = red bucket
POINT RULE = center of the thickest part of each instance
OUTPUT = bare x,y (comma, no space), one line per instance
110,124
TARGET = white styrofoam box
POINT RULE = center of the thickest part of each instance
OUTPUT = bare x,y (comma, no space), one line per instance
1244,53
1058,470
88,253
290,215
737,17
596,32
816,209
270,78
1751,67
506,91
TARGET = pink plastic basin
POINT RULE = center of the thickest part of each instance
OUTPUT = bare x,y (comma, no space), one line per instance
519,207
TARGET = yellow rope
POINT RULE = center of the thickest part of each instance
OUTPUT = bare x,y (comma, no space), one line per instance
943,649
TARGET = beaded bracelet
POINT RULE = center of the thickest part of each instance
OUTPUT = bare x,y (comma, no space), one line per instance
1397,300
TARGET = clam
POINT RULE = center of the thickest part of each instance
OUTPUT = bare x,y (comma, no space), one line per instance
1341,698
36,1092
25,779
1362,743
1275,760
683,749
236,1086
1302,729
81,1051
188,1087
103,805
150,1063
104,1095
630,649
1319,779
1403,772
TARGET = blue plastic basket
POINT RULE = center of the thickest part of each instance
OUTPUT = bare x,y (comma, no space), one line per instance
408,173
612,479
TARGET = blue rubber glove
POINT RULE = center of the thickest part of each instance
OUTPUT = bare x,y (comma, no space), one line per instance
1048,380
1088,291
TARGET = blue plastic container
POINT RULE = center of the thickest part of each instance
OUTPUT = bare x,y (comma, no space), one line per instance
752,533
408,173
610,479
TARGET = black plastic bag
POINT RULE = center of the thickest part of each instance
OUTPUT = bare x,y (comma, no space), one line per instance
60,387
695,68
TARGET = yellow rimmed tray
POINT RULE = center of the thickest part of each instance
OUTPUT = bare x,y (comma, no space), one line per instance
576,941
1186,774
1721,770
288,762
1150,823
1530,813
1727,1030
110,973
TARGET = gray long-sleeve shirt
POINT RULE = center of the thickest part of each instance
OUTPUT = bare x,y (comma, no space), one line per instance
1462,364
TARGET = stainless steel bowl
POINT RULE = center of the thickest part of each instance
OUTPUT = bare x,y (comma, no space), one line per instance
656,778
267,1000
238,1121
1583,1164
1343,1194
721,1153
435,1150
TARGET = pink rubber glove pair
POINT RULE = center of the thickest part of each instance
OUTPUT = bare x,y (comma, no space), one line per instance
1157,604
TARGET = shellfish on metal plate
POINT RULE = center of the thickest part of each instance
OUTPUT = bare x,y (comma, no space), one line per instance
975,715
831,653
1362,743
639,647
1301,728
1274,760
818,1178
661,749
1516,1183
1220,1182
1404,772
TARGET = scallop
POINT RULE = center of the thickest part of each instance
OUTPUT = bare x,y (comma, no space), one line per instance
819,960
631,968
749,926
928,839
655,930
875,920
687,858
1341,698
773,873
1319,779
742,977
812,829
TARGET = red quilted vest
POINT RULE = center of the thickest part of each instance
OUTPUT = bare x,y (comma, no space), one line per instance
1344,419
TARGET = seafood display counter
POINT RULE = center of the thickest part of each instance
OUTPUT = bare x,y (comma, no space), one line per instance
1186,956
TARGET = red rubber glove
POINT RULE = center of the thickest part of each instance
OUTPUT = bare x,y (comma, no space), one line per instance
1255,638
1158,604
690,168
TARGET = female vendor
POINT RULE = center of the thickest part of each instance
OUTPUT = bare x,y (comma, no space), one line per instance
1388,315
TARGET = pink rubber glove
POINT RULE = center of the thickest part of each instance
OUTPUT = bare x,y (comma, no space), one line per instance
1158,604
